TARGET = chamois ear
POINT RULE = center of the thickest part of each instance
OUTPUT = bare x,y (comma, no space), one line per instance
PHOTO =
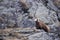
38,19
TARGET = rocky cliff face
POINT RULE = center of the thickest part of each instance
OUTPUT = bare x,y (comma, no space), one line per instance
13,15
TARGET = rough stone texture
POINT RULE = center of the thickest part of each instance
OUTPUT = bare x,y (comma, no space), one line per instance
40,36
11,14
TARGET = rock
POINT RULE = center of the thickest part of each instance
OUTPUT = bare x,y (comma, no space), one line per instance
39,36
24,30
37,11
25,5
57,3
1,0
47,16
12,13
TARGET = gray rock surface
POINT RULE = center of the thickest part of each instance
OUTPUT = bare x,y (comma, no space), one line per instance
12,14
40,36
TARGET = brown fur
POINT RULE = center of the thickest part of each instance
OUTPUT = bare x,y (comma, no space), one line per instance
42,25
